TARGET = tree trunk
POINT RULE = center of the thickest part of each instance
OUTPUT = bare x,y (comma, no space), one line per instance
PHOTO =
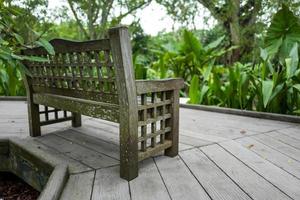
235,36
234,29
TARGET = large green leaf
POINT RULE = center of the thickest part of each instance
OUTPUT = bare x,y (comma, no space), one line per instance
214,44
44,43
283,32
297,86
203,92
267,88
292,63
194,93
276,91
191,44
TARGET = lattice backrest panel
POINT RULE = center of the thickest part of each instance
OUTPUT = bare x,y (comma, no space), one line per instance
78,69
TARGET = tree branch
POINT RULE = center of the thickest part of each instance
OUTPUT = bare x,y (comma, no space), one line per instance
77,19
106,10
134,9
214,10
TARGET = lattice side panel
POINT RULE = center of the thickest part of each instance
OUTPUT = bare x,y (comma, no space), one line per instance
49,115
154,113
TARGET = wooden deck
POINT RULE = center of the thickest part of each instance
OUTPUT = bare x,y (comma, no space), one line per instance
221,157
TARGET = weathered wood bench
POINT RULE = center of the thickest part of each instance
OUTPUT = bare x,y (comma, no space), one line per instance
96,78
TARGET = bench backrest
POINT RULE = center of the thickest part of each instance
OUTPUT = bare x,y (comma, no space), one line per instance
99,70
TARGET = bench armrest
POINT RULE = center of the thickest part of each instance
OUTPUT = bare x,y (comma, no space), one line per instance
146,86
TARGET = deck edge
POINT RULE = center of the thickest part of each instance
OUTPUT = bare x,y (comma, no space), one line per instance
248,113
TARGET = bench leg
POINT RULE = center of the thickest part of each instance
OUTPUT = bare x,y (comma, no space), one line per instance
174,122
34,119
128,156
76,120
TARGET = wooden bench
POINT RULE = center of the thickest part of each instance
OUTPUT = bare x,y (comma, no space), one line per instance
96,78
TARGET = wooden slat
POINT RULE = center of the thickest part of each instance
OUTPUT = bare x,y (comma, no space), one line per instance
180,182
174,123
152,120
156,133
214,181
86,107
88,157
109,186
146,86
277,158
148,185
153,151
53,121
79,187
81,94
66,46
286,182
279,146
152,105
247,179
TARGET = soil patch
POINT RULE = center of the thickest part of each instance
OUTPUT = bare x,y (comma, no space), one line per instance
14,188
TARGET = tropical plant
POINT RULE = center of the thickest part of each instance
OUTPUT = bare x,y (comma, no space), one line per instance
186,57
272,85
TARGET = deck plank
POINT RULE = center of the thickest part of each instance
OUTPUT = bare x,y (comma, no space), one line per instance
180,182
275,157
79,187
284,181
216,183
285,138
252,183
279,146
91,142
293,132
107,136
204,137
88,157
183,147
109,186
196,120
148,185
195,142
263,171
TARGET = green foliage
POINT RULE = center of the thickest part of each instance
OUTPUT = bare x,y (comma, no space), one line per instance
186,56
204,58
11,45
268,86
283,32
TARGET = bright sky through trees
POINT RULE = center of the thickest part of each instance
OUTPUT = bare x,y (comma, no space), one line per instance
153,18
